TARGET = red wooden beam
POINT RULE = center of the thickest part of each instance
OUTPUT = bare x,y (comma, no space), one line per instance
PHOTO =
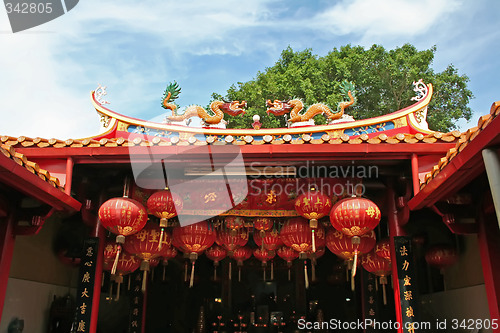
21,180
7,239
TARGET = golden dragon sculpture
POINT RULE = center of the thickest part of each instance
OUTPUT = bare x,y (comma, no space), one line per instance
218,108
295,106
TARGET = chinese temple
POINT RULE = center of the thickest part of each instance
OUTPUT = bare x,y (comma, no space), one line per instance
372,225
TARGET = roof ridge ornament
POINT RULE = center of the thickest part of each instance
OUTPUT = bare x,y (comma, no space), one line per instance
99,93
421,89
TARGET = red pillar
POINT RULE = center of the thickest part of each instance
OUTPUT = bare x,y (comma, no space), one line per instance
489,247
394,230
99,232
7,239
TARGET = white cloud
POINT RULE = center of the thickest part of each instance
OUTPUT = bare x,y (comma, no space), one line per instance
400,18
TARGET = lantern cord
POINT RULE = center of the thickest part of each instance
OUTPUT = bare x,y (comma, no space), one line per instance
230,271
264,272
289,274
354,264
306,278
115,263
272,270
144,280
191,281
313,271
161,239
118,291
163,275
313,241
215,273
129,278
384,294
185,271
239,274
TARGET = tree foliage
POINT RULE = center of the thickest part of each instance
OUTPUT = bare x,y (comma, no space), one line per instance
383,81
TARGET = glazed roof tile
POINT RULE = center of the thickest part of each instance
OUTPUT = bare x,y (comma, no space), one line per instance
463,141
8,151
382,138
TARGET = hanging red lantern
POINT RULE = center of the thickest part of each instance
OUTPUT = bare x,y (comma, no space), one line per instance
194,239
270,241
215,253
234,222
313,205
165,205
232,239
383,249
296,233
123,217
262,224
288,254
378,266
355,216
441,256
264,256
126,265
144,245
240,255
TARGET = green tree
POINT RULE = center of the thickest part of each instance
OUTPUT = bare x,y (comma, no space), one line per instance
383,81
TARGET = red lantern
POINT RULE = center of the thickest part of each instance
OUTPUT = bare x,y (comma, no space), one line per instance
355,216
216,253
441,256
378,266
288,254
262,224
234,222
264,256
126,264
313,205
123,217
296,233
194,239
383,249
232,239
240,255
165,205
144,245
270,241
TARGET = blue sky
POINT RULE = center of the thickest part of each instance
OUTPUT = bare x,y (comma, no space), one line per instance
136,47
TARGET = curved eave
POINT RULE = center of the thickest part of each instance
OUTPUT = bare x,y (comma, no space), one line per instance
407,113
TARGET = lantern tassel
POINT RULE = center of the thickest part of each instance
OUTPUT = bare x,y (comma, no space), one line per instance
313,241
185,271
152,274
161,239
354,264
353,283
239,274
313,271
376,284
230,271
215,273
384,294
163,275
191,281
306,278
110,290
289,274
264,272
144,280
117,257
272,270
129,278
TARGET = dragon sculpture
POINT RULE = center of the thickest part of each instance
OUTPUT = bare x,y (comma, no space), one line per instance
294,106
218,107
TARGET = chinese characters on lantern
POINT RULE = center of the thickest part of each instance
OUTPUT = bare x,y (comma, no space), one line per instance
407,290
86,285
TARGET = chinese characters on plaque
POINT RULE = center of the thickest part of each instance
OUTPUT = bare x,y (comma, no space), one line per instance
86,285
136,299
407,284
370,299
